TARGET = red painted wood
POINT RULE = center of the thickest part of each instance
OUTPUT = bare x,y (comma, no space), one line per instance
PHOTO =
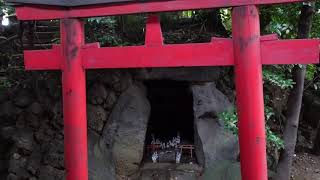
34,12
290,52
269,37
43,59
217,53
154,35
74,100
68,3
248,71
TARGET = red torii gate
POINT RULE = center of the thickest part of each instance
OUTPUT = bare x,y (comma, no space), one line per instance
247,51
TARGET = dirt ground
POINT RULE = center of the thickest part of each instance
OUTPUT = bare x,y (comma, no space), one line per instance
306,167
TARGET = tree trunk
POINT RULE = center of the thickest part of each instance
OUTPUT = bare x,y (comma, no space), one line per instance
294,102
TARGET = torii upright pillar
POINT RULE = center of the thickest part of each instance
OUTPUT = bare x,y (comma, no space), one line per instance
74,100
249,92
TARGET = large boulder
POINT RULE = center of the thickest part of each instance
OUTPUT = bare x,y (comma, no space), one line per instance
101,165
126,129
209,100
224,170
213,142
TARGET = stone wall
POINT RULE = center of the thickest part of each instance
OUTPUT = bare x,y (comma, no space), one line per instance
31,122
31,126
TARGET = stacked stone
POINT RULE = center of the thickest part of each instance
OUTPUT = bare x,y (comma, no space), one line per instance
31,124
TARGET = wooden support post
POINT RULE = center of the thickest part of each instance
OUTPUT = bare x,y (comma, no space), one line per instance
74,100
248,70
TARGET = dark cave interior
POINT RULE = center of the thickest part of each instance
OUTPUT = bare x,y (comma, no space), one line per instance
171,111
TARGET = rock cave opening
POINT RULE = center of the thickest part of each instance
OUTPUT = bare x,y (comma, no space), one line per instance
170,133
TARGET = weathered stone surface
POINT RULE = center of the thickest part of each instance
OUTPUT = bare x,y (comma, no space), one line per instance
216,142
35,108
169,171
183,175
97,116
9,109
54,86
33,120
7,132
24,140
208,100
101,166
54,159
124,81
17,166
195,74
34,162
213,142
3,95
57,110
110,101
118,80
50,173
44,133
152,175
12,177
97,94
223,170
23,98
126,129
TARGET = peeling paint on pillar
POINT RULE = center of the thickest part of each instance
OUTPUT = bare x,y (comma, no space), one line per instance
74,39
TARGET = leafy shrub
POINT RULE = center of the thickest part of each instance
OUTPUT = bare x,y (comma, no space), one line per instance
230,120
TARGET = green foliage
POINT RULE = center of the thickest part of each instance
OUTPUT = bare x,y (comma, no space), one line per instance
5,83
311,71
225,14
277,78
188,14
116,30
230,120
7,9
108,35
269,113
274,140
315,31
282,19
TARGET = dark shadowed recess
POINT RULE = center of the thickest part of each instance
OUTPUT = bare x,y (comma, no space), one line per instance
171,111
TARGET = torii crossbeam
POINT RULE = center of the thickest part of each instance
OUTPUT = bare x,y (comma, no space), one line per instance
247,51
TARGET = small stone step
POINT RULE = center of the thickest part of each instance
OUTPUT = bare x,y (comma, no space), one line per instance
169,171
